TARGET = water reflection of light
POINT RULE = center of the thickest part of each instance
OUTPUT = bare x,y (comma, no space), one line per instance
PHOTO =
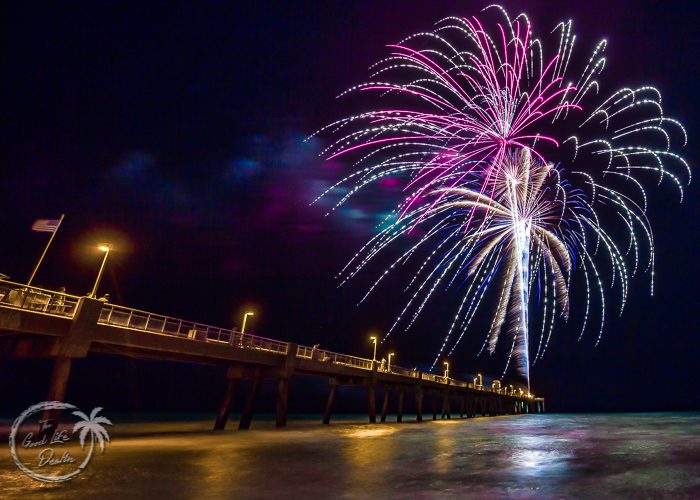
368,454
537,455
533,458
444,451
368,433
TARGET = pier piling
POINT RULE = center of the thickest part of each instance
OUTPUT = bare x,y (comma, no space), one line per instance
225,410
419,404
282,397
247,415
371,403
385,403
446,406
333,385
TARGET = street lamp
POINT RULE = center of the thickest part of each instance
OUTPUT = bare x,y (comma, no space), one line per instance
106,248
388,365
245,318
447,369
374,354
481,380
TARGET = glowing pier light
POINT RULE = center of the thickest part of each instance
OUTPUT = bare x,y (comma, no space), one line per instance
106,248
245,318
374,353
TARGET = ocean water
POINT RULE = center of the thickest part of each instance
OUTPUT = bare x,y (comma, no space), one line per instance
526,456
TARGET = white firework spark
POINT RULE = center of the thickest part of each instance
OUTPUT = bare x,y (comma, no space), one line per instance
475,124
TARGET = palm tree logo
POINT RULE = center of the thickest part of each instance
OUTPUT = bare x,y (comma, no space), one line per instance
88,427
92,425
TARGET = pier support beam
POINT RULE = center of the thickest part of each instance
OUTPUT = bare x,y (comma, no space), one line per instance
59,379
74,345
462,404
385,403
57,388
225,409
372,396
286,371
247,415
399,407
419,404
434,404
282,397
371,403
329,402
446,406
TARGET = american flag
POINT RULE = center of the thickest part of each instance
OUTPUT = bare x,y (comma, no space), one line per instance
45,225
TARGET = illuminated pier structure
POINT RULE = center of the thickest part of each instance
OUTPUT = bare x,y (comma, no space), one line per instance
40,323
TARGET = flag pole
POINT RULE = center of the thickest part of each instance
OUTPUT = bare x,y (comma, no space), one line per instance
46,248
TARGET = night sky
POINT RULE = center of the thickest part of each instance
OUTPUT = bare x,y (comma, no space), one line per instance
176,130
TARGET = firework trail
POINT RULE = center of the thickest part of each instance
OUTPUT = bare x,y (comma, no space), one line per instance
477,115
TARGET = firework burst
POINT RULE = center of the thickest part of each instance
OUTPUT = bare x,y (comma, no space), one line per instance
475,121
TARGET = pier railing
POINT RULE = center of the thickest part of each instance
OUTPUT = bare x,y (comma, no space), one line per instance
156,323
19,296
399,370
59,303
333,357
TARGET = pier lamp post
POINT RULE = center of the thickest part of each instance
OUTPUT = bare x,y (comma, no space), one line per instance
511,389
106,248
447,369
374,354
388,365
245,318
481,380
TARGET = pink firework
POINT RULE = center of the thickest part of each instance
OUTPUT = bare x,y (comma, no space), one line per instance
465,99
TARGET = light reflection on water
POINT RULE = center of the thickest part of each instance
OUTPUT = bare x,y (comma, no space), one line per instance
528,456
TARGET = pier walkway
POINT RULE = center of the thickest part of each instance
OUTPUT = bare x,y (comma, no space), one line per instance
36,322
